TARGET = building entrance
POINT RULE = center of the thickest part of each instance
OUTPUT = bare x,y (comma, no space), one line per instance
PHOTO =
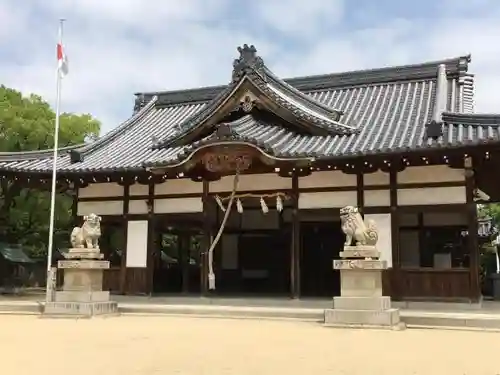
177,258
255,263
253,256
321,242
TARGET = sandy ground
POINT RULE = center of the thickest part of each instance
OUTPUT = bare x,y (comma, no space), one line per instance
171,345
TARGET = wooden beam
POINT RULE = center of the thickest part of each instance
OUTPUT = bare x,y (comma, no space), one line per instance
472,229
295,245
421,235
206,238
123,265
184,257
396,248
360,193
151,236
74,206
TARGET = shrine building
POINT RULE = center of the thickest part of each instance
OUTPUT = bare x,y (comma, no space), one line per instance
401,143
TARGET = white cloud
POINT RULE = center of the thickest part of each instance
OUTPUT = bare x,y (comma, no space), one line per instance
118,47
146,16
301,19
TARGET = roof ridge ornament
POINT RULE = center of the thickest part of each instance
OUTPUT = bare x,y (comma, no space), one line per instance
248,62
139,103
434,129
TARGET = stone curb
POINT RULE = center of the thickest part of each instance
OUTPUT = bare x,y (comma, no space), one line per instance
420,319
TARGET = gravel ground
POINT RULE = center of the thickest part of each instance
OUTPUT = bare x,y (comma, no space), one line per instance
176,345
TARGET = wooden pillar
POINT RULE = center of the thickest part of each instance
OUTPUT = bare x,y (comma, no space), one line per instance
396,249
74,206
472,228
295,247
184,257
151,236
360,193
206,238
123,265
421,235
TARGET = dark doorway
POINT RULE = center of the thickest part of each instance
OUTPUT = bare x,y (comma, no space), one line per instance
252,257
260,263
177,259
264,263
321,243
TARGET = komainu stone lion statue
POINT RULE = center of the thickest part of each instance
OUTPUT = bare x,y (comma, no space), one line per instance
364,234
88,234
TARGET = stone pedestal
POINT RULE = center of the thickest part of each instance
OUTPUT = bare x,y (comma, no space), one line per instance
82,294
361,302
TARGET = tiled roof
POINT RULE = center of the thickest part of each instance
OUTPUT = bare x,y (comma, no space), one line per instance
463,128
253,83
389,106
455,67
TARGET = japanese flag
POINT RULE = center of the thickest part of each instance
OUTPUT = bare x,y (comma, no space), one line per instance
62,60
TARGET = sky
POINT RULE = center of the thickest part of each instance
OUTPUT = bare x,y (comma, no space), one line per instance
118,47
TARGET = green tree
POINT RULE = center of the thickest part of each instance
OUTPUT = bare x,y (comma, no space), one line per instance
27,124
491,210
488,258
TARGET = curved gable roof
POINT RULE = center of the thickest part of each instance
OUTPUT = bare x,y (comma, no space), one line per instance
390,107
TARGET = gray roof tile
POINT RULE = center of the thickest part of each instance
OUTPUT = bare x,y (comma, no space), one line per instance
390,107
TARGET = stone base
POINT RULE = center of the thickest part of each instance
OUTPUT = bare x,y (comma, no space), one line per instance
360,252
388,319
79,309
79,296
362,303
84,276
83,254
85,264
359,264
361,283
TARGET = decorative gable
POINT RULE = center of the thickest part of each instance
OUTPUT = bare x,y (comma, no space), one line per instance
254,87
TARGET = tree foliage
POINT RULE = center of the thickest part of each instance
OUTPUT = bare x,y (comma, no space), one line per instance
27,124
490,211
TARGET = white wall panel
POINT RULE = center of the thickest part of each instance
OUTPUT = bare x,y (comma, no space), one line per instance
107,189
430,174
327,179
100,208
377,198
251,182
376,178
137,243
139,189
179,186
178,205
332,199
137,207
384,244
430,196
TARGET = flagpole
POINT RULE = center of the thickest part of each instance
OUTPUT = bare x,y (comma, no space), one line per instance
48,288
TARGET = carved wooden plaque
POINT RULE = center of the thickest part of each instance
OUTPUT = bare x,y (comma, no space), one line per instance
226,160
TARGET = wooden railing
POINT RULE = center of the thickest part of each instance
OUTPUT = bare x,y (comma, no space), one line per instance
429,283
136,281
111,280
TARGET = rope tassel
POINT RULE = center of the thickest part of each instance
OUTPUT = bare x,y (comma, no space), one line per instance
239,206
263,205
279,203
